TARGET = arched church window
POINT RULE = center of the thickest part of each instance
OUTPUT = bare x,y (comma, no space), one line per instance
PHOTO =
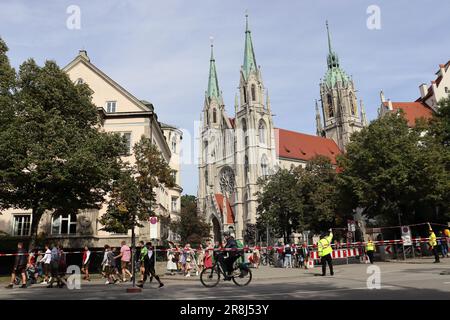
246,167
253,92
207,117
205,149
245,94
262,131
206,176
352,104
264,166
330,106
245,208
214,115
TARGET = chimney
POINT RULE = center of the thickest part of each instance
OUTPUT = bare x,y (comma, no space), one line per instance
423,90
390,105
83,53
441,69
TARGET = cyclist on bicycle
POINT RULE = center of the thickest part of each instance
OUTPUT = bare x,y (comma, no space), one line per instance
228,257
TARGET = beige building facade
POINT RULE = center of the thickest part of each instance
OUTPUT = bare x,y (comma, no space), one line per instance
120,112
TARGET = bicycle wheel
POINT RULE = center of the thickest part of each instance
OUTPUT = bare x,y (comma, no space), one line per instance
210,277
242,277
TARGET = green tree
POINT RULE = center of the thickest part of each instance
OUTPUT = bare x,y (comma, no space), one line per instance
133,198
318,188
191,227
280,204
395,173
53,155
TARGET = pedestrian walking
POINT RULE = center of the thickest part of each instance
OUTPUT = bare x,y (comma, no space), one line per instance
200,259
287,252
443,244
46,264
187,253
108,264
280,255
19,267
433,243
54,267
86,259
62,264
149,266
370,249
209,252
125,258
171,260
325,250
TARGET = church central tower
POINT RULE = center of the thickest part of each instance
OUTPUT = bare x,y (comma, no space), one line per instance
339,103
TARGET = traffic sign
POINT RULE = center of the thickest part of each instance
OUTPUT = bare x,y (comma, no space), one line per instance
406,236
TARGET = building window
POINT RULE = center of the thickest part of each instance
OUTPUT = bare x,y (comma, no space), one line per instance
173,173
253,92
245,94
206,177
111,106
246,167
64,224
174,204
127,140
174,144
330,106
262,132
446,90
352,104
214,116
22,225
264,166
79,81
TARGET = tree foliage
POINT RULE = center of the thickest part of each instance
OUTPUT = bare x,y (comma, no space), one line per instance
53,157
191,227
299,199
133,197
395,172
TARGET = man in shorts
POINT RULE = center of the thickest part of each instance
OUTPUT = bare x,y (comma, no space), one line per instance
125,258
20,266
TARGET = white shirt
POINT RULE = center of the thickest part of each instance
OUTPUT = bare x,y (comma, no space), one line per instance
47,257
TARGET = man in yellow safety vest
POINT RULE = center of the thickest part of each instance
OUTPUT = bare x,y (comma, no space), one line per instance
433,244
370,249
325,250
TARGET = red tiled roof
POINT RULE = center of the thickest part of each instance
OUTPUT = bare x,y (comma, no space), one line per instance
300,146
230,214
412,110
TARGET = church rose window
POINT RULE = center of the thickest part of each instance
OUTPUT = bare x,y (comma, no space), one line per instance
227,181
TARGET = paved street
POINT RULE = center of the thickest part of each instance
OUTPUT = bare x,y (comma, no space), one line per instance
419,280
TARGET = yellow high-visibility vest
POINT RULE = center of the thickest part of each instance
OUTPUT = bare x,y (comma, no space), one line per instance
432,240
370,246
324,245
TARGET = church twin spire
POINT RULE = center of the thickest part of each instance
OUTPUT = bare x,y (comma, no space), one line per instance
213,82
249,54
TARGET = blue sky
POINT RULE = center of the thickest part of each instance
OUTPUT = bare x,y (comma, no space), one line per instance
159,50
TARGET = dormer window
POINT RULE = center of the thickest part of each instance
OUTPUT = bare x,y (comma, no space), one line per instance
111,106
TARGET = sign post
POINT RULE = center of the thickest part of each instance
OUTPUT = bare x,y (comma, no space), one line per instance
406,239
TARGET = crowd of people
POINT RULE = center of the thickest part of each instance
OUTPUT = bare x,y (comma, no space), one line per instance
49,266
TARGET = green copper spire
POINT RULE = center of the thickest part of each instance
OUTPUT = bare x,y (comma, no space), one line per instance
213,82
334,73
249,54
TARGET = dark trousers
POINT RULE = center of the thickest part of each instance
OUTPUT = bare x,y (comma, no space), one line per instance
327,259
370,255
436,254
150,270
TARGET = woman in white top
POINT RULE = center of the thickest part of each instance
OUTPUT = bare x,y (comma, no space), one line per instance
46,263
171,260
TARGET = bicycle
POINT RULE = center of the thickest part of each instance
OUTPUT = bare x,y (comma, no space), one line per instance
241,275
267,259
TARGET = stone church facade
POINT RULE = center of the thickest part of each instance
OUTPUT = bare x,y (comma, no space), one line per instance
236,151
